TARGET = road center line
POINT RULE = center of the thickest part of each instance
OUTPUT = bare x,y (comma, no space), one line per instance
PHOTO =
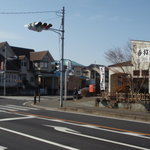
83,124
70,131
38,139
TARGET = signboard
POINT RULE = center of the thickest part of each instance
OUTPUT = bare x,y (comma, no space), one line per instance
143,54
102,78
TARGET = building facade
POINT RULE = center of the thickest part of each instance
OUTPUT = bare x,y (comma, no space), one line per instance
96,75
23,69
135,74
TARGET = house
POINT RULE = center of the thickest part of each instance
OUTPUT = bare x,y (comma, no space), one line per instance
11,75
28,70
96,75
44,76
134,74
118,76
73,75
76,80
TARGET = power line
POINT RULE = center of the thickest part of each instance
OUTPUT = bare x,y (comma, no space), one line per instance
29,12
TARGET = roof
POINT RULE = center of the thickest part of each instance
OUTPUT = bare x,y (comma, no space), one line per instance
90,67
22,57
3,43
76,64
127,63
139,41
73,63
35,56
21,51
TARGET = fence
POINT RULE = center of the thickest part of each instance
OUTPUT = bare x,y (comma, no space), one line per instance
126,97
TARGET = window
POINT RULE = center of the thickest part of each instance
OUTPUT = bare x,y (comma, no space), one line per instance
43,64
136,72
145,72
23,63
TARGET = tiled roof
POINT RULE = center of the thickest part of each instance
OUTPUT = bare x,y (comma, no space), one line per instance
35,56
2,43
127,63
22,51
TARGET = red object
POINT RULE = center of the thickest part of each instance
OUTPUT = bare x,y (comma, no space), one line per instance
91,88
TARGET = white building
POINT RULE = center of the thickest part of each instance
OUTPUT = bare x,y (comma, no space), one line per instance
133,73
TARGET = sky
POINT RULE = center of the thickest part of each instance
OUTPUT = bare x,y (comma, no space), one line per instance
91,26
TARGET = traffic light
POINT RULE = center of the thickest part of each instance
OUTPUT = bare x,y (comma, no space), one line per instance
57,66
46,26
38,26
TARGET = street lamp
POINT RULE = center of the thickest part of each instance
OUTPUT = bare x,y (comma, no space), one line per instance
39,26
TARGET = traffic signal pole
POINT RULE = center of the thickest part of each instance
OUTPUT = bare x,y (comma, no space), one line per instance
39,26
62,61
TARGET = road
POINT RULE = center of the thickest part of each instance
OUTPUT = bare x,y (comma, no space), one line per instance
23,127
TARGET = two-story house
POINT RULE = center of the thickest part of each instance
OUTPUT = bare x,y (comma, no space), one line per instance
22,69
133,75
44,76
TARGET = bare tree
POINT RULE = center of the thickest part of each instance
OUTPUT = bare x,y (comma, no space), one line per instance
123,57
119,55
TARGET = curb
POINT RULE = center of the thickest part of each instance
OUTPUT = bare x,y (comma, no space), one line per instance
103,113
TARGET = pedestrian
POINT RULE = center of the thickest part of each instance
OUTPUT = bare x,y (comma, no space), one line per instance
75,94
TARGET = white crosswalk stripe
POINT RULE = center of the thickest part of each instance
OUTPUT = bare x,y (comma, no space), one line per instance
15,108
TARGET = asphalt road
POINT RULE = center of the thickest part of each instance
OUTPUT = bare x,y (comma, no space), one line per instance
23,128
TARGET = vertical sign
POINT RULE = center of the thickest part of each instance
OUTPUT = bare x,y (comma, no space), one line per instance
102,78
143,54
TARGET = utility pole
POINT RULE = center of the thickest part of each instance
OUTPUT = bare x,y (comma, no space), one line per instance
62,61
39,26
5,59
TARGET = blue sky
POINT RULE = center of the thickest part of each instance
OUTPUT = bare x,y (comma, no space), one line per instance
91,26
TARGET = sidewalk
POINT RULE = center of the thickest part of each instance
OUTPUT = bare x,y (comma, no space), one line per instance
84,105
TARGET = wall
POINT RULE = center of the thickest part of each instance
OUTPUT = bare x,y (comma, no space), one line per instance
141,58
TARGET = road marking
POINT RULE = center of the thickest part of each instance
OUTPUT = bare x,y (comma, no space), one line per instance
67,130
63,129
7,109
16,108
99,127
96,126
2,111
17,118
11,107
24,107
3,148
38,139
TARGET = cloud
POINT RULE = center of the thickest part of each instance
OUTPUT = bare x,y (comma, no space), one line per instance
9,35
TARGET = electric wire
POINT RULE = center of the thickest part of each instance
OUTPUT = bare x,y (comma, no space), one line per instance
29,12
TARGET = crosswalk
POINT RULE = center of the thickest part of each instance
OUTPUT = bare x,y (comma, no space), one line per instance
15,108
